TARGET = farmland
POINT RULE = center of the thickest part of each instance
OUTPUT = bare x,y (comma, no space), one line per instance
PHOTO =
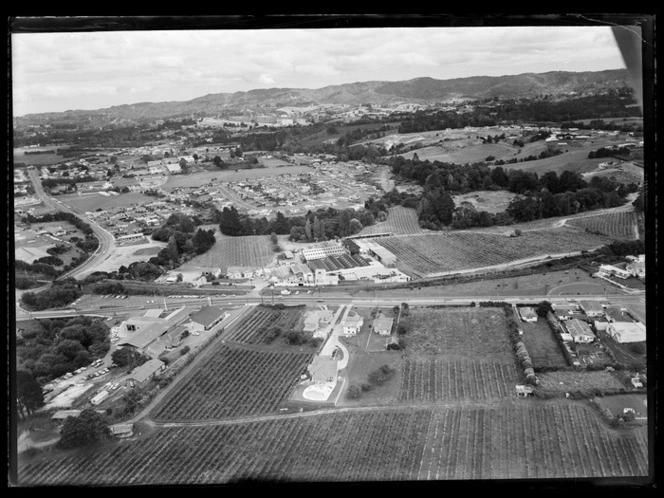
510,441
436,380
542,346
400,221
254,327
233,381
441,253
251,250
617,225
92,202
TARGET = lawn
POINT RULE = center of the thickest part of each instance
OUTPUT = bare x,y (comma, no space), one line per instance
486,200
230,175
542,345
616,404
361,364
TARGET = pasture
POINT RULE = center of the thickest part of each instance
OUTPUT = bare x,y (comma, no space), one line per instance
461,152
126,255
616,404
462,251
251,250
459,333
542,440
542,345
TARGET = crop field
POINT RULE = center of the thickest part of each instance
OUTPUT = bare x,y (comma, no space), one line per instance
541,343
255,326
617,225
233,382
449,252
436,380
251,250
400,221
459,334
515,441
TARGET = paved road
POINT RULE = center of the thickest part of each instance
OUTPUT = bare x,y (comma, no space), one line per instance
106,239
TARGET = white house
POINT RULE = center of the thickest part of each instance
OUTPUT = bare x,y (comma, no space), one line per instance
352,323
614,270
527,314
382,325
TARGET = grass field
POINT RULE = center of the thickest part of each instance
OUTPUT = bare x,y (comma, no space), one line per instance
616,404
197,179
560,439
92,202
455,251
458,154
493,201
562,382
252,250
542,346
459,333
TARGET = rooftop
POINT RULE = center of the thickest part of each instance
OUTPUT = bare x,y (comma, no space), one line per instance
207,315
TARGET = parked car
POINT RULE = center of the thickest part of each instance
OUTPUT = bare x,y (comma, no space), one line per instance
285,292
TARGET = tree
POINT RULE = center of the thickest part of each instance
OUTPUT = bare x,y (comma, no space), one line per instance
29,393
543,308
88,428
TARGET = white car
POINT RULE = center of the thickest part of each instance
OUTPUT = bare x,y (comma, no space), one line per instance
285,292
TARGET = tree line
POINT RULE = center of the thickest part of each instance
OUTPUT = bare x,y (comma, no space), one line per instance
323,224
60,345
184,241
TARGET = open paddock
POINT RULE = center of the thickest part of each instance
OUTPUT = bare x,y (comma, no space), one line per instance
577,381
492,201
542,346
459,333
94,201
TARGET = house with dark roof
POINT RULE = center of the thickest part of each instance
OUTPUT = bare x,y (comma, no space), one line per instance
592,308
580,331
206,318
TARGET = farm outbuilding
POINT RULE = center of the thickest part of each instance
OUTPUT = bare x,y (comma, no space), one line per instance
626,331
206,318
145,373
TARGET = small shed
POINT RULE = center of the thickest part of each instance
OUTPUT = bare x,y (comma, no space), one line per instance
122,430
523,391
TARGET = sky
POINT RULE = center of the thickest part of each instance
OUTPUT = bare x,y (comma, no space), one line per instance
54,72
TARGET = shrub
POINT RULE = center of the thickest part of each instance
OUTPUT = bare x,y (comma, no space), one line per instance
637,348
366,387
354,392
184,350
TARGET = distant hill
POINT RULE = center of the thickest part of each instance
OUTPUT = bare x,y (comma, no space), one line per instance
418,90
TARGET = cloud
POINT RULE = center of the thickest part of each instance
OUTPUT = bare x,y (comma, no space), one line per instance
178,63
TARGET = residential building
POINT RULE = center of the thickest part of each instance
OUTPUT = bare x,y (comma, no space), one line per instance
528,314
131,238
352,323
580,331
142,375
323,370
237,272
615,271
382,325
206,318
592,308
